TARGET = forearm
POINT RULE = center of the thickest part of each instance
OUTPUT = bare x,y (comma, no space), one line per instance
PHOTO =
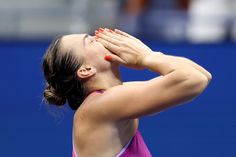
190,63
164,64
178,76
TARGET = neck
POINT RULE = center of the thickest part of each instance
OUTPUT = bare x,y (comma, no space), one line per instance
103,81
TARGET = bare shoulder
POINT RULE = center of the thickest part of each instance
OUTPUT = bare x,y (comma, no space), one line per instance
84,111
89,116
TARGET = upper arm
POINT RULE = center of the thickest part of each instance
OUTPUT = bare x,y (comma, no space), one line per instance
142,98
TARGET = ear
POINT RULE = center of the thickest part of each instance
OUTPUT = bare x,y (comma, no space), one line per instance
86,71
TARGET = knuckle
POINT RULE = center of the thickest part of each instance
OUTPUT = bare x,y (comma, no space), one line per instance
108,45
122,49
118,49
123,43
112,40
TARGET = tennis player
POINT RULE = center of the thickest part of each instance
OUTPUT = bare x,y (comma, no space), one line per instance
83,71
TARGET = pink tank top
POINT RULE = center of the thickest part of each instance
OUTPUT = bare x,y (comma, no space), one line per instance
136,147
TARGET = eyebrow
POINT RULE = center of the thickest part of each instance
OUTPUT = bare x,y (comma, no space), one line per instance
85,36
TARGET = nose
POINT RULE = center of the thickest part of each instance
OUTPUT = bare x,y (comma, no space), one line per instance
93,38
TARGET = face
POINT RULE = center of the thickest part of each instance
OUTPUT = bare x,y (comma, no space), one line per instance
84,45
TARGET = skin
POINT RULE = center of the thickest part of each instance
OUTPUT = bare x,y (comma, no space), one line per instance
103,73
106,121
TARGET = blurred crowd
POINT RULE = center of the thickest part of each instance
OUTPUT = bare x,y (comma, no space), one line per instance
197,21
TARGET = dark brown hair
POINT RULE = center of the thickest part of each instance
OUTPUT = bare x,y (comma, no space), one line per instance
60,69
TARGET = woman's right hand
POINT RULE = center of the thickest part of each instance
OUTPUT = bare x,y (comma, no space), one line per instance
125,49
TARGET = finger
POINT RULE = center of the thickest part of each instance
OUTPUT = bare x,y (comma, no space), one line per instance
113,34
123,33
110,46
126,34
117,38
107,36
115,59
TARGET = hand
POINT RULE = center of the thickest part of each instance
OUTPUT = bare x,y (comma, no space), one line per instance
126,49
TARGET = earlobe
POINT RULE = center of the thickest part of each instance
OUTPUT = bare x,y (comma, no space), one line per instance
86,71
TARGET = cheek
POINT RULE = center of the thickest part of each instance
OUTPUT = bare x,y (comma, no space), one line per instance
102,49
95,55
99,54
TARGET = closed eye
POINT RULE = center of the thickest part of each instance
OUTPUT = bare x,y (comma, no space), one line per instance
91,39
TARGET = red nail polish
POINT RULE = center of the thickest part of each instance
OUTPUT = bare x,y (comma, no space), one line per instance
108,58
101,30
109,30
97,31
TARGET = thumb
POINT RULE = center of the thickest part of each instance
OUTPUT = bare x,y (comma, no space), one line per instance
114,58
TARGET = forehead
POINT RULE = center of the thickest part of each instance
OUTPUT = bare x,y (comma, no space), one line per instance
72,41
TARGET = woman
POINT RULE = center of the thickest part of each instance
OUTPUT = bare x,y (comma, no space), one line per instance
84,71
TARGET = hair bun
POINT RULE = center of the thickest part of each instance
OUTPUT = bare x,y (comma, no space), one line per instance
53,97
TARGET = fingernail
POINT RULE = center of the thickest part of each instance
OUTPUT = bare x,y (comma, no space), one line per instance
101,30
109,30
96,32
108,58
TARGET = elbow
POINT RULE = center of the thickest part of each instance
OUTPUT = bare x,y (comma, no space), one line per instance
199,82
193,84
209,77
